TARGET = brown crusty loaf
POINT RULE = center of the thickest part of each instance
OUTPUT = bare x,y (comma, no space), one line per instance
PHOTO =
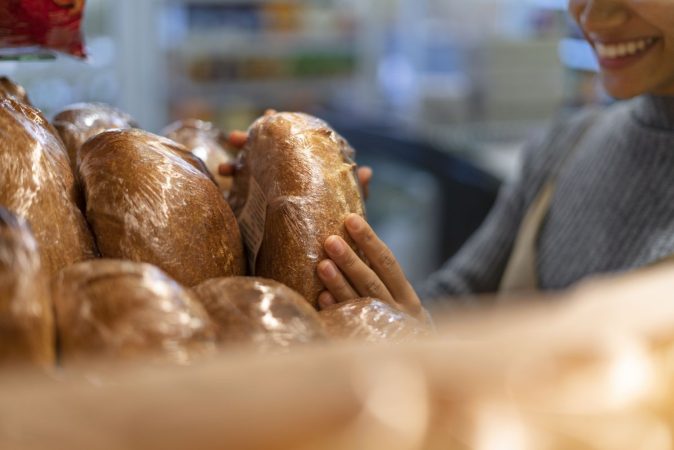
147,200
307,174
207,142
261,312
79,122
36,183
370,320
9,89
26,318
120,309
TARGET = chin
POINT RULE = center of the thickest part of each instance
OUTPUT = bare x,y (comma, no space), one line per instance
620,89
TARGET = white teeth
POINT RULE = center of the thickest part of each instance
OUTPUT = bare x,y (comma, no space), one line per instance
624,49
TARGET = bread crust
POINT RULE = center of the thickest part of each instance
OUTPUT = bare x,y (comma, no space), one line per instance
26,319
123,310
149,200
38,185
207,142
259,312
308,175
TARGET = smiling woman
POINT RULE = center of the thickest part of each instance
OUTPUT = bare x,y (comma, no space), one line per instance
595,195
634,40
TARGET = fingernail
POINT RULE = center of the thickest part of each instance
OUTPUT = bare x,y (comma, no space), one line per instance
354,222
334,246
328,270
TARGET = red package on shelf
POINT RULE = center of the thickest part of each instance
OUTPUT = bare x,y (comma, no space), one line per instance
32,27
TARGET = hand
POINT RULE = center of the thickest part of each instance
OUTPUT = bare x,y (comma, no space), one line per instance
346,276
238,139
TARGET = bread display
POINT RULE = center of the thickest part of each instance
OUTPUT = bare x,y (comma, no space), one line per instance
79,122
26,320
295,187
207,142
260,312
120,310
370,320
9,89
147,200
36,183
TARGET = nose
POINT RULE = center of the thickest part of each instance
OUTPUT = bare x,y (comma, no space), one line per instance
602,15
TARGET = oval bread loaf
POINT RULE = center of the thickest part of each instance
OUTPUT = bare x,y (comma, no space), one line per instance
37,183
305,174
149,200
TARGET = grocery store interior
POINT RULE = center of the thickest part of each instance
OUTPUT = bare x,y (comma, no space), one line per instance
438,96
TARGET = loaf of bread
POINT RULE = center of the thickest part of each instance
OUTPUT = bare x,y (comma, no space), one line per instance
207,142
9,89
148,200
36,183
260,312
79,122
371,320
124,310
303,174
26,318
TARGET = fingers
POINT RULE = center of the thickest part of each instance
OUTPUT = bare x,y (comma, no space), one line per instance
335,283
364,177
227,169
238,138
381,258
363,280
326,300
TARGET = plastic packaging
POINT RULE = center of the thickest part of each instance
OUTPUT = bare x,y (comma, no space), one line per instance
79,122
147,200
124,310
9,89
26,320
38,185
295,186
260,312
207,142
371,320
39,27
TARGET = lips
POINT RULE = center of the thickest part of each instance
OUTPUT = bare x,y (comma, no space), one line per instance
617,55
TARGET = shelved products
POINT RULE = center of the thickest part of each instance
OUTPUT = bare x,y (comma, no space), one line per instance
228,60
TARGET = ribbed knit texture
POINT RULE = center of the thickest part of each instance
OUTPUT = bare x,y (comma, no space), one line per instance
613,208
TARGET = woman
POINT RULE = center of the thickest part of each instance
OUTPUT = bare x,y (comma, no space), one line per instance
596,195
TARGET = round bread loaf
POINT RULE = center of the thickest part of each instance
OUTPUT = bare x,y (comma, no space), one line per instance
370,320
9,89
26,320
120,309
36,183
258,311
79,122
147,200
207,142
304,173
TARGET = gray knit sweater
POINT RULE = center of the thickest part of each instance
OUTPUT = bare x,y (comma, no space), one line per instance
613,209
